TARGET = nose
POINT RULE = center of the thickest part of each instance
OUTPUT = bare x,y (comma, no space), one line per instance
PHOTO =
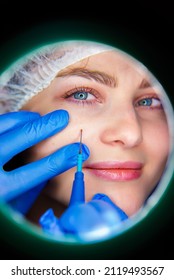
122,127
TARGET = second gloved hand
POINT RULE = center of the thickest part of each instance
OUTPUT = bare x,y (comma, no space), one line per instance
91,221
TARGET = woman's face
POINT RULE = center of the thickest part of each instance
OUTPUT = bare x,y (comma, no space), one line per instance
124,126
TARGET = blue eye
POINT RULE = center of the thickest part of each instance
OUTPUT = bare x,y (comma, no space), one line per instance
81,95
145,102
151,102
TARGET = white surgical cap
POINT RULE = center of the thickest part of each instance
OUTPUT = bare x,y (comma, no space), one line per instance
34,72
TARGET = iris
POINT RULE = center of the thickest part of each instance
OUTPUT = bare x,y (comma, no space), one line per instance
145,102
81,95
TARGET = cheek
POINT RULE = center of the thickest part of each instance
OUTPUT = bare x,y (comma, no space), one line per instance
157,140
70,134
156,147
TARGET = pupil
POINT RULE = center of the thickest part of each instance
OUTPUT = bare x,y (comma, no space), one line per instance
80,95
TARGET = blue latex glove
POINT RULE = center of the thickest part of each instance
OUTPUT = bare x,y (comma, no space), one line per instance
91,221
20,131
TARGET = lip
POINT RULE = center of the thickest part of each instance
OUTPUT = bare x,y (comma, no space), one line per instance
116,171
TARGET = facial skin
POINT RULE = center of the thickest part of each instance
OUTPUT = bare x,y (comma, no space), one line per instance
122,120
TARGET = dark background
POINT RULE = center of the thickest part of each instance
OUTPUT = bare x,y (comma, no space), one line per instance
144,29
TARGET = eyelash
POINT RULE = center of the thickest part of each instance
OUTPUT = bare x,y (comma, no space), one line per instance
88,90
98,98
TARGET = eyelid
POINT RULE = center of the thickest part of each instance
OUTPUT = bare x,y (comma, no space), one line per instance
144,96
85,89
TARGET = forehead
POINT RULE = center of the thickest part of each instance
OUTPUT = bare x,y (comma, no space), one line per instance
112,66
112,62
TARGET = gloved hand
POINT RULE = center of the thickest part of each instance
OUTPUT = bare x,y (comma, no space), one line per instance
19,131
94,220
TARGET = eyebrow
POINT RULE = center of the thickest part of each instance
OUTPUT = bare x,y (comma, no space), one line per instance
145,84
97,76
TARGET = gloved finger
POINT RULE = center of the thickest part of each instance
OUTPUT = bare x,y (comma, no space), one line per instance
80,218
50,223
106,211
99,196
85,223
31,133
15,182
13,120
